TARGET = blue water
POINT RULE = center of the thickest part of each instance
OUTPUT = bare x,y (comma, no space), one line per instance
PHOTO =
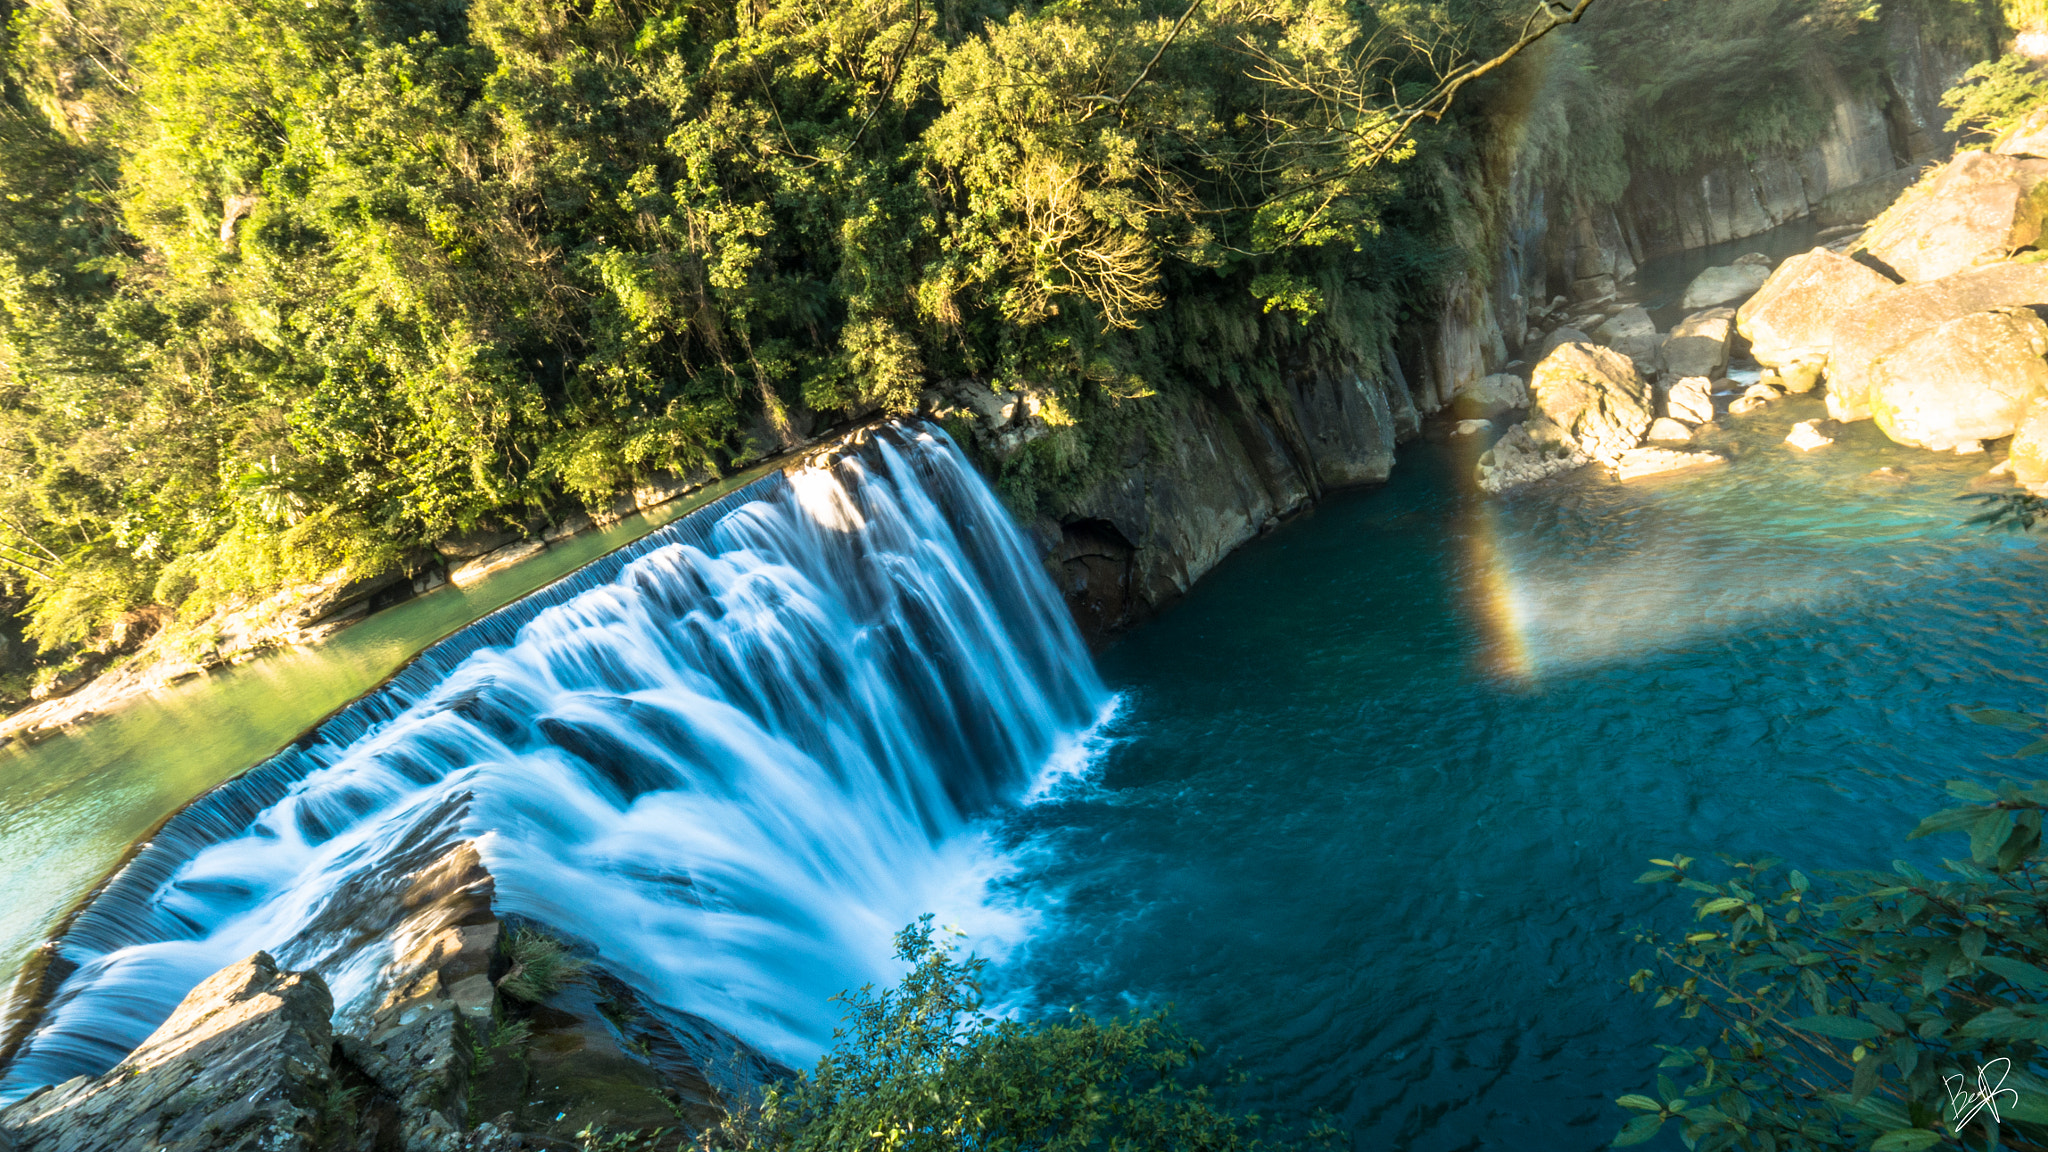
1379,787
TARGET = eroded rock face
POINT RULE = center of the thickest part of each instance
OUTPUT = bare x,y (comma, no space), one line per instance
1884,320
1726,284
1792,317
1528,452
1698,344
1978,208
241,1066
1969,379
1596,397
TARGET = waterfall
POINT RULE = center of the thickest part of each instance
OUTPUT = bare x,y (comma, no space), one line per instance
732,758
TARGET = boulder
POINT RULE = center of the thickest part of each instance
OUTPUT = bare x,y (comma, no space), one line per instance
1692,400
1792,317
1751,260
1472,427
2028,456
240,1066
1491,396
1970,379
1978,208
2029,137
1653,461
1698,344
1665,430
1723,285
1595,397
1632,333
1528,452
1798,377
1887,319
464,575
1560,338
1806,436
470,545
1756,397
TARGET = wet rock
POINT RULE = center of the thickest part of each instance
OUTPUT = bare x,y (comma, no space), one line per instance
1692,400
1751,260
2028,456
1969,379
1665,430
1528,452
1887,319
464,575
1632,333
1491,396
1596,398
1806,436
240,1066
1969,448
1472,427
1978,208
1723,285
1797,378
1792,317
1698,344
1638,462
573,524
1753,399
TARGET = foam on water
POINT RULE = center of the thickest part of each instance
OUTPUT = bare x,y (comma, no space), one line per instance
733,761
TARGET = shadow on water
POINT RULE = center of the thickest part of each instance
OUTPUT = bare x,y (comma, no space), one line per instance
1381,784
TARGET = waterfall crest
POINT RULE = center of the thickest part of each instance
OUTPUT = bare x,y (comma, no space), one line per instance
732,758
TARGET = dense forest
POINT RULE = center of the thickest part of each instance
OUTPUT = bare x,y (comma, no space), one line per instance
291,286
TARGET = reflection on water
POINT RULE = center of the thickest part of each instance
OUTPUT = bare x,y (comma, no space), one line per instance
1380,786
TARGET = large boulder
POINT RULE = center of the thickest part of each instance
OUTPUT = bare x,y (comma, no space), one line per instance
1526,453
1724,285
1491,396
1632,333
1698,344
241,1066
1978,208
1596,397
1884,320
1970,379
1792,317
2029,137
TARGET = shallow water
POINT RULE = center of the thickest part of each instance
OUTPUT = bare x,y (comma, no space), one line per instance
1379,787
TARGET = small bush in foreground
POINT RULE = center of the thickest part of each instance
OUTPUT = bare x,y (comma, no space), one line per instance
923,1067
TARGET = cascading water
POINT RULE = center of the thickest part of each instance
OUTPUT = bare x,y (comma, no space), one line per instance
732,758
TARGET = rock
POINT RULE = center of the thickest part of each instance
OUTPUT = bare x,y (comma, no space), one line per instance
1665,430
240,1066
663,487
1970,448
1491,396
574,524
1653,461
1698,344
1792,317
1724,285
1632,333
1528,452
1847,211
1692,400
1560,338
1884,320
2028,456
1751,260
1978,208
1472,427
1798,377
1806,436
1756,397
1970,379
1599,287
2029,137
1890,473
470,545
464,575
1595,396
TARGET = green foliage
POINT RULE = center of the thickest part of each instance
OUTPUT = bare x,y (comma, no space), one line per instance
540,966
1994,95
1860,1015
922,1066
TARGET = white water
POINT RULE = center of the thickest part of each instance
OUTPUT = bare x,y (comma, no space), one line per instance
734,770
